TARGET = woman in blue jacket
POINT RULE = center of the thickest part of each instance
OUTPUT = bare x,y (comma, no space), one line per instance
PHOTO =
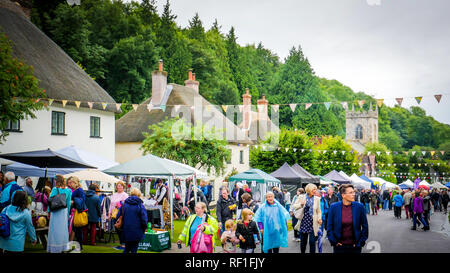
20,223
134,219
398,204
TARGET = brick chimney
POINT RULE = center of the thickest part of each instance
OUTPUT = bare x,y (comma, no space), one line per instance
263,107
191,82
247,108
159,84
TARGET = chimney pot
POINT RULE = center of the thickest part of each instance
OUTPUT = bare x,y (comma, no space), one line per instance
193,76
159,84
160,68
191,82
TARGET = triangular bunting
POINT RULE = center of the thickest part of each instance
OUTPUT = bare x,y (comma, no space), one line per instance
361,103
413,153
163,108
345,105
64,103
77,103
275,107
118,105
104,104
135,106
293,105
90,104
432,153
50,101
380,102
399,101
327,105
438,98
225,107
424,152
150,107
241,107
307,106
378,152
418,99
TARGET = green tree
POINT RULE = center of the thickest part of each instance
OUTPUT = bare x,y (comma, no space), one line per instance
384,161
198,146
19,88
339,156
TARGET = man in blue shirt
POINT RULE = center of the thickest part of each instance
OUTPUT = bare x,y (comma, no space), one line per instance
9,189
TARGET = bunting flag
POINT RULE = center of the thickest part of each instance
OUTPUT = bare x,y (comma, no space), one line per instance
388,152
293,105
104,104
275,107
50,101
118,106
361,103
442,152
343,152
307,106
399,101
163,108
418,99
287,149
77,103
368,153
345,105
432,153
90,104
378,153
413,153
64,103
327,105
438,98
406,153
334,152
225,107
150,107
135,106
424,152
380,102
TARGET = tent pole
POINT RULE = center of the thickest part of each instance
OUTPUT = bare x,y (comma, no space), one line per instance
171,204
195,189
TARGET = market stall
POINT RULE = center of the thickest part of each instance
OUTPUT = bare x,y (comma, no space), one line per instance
290,179
107,182
356,180
257,180
305,176
153,166
337,177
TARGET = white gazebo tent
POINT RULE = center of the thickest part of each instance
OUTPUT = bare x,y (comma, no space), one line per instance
425,183
359,181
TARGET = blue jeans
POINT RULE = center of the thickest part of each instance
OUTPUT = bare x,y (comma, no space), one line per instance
419,216
367,206
386,204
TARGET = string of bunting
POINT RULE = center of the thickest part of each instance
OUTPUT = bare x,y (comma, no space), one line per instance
275,107
413,153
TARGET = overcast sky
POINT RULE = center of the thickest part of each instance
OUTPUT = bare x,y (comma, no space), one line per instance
385,48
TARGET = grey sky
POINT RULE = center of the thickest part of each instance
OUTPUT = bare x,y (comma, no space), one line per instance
399,48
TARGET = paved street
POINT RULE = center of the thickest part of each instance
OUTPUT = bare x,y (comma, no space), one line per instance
387,235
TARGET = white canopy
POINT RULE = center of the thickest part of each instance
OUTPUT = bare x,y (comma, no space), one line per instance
345,175
423,182
408,183
383,183
359,181
108,182
438,185
198,174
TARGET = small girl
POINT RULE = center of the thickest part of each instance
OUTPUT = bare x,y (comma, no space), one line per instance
247,232
229,239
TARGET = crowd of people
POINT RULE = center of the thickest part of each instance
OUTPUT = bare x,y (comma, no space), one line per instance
338,214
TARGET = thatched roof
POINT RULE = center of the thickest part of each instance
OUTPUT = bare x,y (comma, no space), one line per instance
57,73
129,128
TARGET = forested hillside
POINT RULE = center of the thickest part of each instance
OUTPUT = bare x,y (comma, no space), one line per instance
119,44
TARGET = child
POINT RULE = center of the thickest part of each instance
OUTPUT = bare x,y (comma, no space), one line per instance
229,239
247,232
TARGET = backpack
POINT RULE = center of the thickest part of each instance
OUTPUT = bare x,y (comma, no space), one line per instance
4,225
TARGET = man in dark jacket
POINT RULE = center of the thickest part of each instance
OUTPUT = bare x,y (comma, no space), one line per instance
366,201
94,213
348,228
386,198
9,189
331,197
225,207
445,199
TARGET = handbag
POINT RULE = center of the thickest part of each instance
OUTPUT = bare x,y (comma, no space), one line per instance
57,201
201,243
80,219
119,223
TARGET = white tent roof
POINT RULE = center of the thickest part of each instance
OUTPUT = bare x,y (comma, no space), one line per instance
380,180
198,174
344,175
438,185
359,181
107,182
423,182
408,182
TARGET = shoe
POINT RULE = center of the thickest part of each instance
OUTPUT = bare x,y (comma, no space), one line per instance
298,240
413,228
294,240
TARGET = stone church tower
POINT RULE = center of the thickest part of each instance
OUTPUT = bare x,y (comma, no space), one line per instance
361,127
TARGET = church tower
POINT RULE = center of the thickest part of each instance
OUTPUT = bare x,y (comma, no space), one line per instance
361,126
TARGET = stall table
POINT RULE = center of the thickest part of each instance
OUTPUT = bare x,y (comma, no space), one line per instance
158,241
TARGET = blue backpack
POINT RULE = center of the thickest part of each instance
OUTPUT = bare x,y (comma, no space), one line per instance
4,225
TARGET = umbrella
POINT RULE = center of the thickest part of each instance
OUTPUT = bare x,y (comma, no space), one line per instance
424,187
45,159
